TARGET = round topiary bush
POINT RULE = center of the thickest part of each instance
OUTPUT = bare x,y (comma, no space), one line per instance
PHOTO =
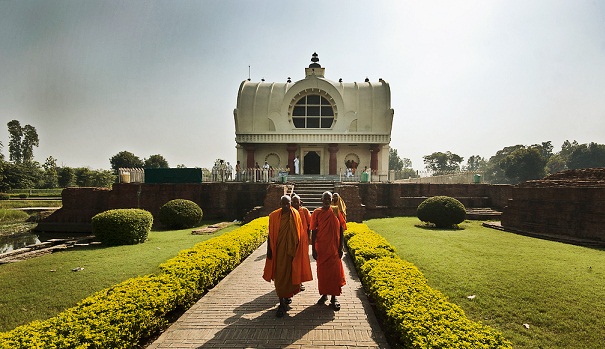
443,211
180,214
127,226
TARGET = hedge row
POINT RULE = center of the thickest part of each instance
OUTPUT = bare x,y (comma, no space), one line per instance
417,315
124,315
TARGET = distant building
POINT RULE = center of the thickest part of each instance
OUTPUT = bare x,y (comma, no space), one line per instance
329,125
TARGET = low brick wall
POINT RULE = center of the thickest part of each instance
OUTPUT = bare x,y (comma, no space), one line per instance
577,212
224,201
246,201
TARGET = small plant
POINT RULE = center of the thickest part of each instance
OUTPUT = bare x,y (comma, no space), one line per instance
4,196
122,226
180,214
23,196
443,211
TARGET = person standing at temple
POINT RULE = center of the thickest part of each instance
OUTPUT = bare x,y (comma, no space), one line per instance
296,165
283,261
327,240
305,217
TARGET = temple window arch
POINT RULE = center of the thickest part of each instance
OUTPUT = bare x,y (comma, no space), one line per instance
312,109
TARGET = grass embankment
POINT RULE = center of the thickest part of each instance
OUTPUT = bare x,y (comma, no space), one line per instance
42,287
24,203
555,288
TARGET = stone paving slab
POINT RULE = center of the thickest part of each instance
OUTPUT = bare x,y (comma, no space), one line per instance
240,313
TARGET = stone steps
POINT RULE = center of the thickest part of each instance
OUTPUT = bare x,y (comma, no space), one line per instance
310,192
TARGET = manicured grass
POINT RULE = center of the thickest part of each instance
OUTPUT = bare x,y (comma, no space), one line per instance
555,288
44,286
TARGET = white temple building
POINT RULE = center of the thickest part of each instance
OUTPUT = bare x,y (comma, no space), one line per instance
328,125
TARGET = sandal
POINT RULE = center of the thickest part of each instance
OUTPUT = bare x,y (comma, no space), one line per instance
334,304
323,299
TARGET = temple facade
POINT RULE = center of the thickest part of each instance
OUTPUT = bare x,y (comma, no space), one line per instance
315,125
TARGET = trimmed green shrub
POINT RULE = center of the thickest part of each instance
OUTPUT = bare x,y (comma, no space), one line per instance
124,315
443,211
127,226
4,196
23,196
414,314
180,214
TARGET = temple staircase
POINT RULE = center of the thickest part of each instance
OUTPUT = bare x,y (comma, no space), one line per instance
310,192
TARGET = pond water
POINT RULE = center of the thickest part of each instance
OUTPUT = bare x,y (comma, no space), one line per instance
17,241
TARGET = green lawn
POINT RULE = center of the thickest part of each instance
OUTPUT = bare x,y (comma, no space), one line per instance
40,288
555,288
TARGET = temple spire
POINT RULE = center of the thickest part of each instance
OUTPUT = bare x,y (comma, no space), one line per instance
314,68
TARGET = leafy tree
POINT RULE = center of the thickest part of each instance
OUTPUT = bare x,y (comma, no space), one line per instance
14,144
156,161
475,163
66,177
395,162
22,142
125,159
524,164
21,175
50,177
30,140
494,172
555,164
587,156
441,163
1,153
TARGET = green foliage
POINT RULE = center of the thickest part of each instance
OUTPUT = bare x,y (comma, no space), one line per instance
23,196
124,315
441,163
122,226
443,211
587,156
5,196
475,163
180,213
125,159
414,313
22,142
12,216
518,163
156,161
395,162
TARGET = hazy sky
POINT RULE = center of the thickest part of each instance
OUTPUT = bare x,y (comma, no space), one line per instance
161,77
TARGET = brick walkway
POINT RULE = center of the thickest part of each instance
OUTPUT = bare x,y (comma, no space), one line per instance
240,313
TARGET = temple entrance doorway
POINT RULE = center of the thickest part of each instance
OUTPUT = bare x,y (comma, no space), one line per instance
311,163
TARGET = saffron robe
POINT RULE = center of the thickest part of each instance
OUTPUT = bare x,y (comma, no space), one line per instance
305,268
284,268
330,272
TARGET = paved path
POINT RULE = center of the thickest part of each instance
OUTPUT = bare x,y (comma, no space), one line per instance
240,313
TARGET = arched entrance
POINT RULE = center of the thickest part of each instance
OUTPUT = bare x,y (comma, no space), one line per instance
311,164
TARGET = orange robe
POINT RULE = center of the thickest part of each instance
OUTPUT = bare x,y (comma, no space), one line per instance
305,218
330,272
284,268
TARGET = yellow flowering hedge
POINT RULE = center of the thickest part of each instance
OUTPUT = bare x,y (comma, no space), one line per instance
125,314
417,315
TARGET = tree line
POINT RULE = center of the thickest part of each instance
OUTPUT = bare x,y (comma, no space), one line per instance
21,171
513,164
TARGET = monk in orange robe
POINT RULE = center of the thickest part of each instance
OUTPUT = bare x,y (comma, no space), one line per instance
284,255
305,217
327,227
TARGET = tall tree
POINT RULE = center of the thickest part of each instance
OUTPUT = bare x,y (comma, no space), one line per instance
441,163
395,162
524,164
125,159
50,177
156,161
15,133
30,140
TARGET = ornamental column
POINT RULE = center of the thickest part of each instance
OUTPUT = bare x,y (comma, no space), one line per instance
333,149
250,148
292,148
374,149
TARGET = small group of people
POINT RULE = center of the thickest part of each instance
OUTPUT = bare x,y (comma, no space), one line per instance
222,171
291,228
